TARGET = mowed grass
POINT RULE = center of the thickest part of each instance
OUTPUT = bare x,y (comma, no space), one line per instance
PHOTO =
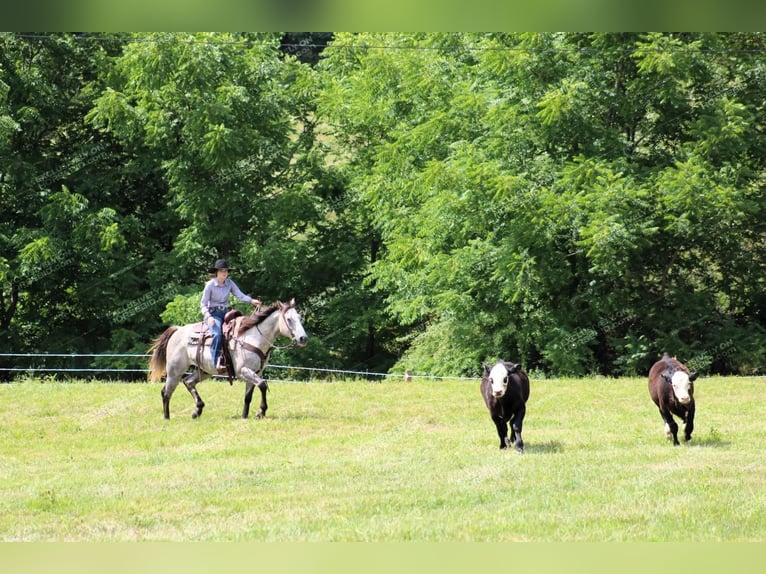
384,461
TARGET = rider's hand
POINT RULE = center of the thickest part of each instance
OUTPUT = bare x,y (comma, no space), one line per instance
256,302
210,321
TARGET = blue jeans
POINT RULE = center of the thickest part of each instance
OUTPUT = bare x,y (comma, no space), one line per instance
217,335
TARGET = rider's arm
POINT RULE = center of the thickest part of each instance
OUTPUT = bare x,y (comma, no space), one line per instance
205,302
239,294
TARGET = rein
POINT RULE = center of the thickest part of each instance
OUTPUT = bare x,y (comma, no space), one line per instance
290,346
264,356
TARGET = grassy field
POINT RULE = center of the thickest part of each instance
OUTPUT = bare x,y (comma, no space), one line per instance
385,461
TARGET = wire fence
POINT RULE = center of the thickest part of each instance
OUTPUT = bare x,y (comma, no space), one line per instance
36,363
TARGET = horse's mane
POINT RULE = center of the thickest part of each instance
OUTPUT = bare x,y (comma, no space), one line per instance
258,317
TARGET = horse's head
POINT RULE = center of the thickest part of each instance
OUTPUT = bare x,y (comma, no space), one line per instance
290,323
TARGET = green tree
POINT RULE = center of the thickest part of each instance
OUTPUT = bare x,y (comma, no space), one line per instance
68,233
230,119
581,202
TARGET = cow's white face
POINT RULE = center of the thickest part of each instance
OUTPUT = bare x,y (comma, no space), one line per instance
681,387
498,377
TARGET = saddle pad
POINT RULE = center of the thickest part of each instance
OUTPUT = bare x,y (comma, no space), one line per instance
199,330
194,340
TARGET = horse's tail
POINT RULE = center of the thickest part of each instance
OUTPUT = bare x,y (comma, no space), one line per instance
159,349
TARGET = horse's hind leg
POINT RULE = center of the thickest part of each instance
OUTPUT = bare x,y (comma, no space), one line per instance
191,385
167,392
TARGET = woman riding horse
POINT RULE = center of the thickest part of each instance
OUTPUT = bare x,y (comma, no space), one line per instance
215,304
172,353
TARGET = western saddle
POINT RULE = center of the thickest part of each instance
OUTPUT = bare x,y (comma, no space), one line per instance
202,337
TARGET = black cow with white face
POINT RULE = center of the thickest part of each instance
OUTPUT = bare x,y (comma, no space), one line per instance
505,388
671,387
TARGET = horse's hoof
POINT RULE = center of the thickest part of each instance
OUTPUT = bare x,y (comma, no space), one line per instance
195,415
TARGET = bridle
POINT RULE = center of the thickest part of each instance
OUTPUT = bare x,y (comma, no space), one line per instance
290,330
264,356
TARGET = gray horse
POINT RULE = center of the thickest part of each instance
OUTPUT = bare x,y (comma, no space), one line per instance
254,336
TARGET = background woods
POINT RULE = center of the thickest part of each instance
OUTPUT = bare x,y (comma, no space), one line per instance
578,203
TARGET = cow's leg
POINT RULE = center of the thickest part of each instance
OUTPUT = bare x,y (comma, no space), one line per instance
671,427
252,380
516,425
502,431
689,424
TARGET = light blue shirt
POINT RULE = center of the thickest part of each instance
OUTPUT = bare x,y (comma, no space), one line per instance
216,295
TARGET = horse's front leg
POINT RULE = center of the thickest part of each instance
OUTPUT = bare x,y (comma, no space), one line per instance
252,380
248,399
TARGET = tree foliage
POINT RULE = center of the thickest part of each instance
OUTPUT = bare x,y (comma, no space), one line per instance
577,202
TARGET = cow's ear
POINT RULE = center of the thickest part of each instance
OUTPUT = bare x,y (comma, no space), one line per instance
511,367
693,376
486,368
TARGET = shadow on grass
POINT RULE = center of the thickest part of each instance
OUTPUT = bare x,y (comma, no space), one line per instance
551,446
292,416
713,440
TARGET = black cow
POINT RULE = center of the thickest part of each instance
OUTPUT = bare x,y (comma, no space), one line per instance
505,388
671,387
